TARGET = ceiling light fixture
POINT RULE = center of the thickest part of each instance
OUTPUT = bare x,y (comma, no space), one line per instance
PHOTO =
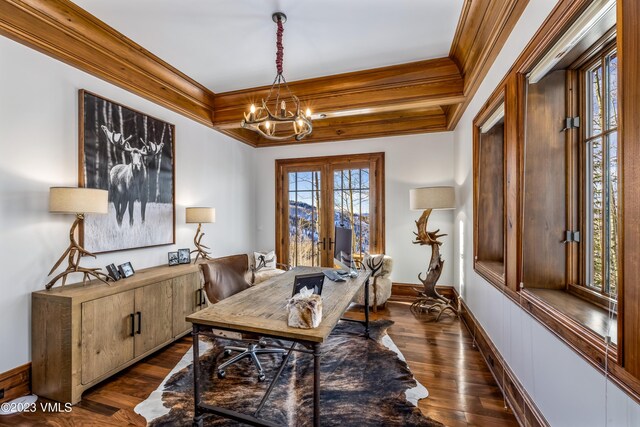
272,120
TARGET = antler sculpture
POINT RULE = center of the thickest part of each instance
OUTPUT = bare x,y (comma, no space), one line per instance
429,299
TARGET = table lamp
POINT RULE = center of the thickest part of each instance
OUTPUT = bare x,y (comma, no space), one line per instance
427,199
78,201
200,215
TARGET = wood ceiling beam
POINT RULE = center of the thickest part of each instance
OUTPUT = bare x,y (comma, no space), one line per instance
482,31
359,127
64,31
420,84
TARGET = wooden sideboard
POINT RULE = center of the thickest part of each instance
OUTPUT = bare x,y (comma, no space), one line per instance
81,335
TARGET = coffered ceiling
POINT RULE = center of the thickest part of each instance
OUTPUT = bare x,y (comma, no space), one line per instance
230,44
366,68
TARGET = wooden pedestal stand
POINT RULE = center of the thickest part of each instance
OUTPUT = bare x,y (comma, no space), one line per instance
428,298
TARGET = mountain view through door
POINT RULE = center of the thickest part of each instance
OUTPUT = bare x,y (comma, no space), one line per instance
321,195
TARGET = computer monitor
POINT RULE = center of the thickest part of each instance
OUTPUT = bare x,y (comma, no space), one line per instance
342,248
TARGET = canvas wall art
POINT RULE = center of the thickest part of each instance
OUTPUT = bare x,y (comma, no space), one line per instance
132,155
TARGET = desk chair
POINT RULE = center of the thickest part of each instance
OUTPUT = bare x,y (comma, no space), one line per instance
224,277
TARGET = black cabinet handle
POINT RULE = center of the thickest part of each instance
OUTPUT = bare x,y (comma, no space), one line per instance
139,314
133,324
203,301
199,297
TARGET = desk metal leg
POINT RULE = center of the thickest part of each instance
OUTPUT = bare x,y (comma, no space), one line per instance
197,412
366,309
316,385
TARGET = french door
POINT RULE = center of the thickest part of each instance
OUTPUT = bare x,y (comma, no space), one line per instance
313,195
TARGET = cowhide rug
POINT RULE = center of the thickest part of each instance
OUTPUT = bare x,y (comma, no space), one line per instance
363,383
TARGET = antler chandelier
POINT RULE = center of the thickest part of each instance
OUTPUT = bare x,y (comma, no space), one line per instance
272,120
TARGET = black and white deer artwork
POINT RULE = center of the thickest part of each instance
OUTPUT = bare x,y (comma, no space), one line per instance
130,154
129,182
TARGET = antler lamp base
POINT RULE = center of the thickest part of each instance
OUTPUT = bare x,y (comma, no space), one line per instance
429,300
73,254
200,249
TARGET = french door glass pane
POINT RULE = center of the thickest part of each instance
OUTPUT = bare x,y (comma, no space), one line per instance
304,219
351,206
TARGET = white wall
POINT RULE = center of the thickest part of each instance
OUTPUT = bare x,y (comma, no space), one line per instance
410,161
39,149
567,390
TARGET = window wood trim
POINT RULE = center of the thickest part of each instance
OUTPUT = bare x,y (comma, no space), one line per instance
376,164
492,271
623,366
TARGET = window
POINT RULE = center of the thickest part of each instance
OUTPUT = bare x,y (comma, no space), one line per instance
315,194
304,221
601,173
572,179
351,206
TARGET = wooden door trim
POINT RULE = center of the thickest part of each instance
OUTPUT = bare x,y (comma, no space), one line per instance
375,161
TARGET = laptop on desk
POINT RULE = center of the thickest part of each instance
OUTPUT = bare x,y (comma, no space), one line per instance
313,281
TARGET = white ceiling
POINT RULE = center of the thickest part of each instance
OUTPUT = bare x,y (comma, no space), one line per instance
230,44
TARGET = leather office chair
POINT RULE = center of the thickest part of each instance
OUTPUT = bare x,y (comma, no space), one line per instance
224,277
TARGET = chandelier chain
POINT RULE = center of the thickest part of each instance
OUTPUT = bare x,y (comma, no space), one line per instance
273,120
279,47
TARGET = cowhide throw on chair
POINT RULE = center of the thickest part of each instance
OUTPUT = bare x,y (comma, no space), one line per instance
363,382
380,283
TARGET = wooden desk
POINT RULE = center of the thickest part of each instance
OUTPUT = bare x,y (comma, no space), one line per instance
261,309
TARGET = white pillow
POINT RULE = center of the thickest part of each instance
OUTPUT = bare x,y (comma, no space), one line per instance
265,260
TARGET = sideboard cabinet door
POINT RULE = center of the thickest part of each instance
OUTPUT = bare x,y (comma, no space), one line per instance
106,334
187,299
153,316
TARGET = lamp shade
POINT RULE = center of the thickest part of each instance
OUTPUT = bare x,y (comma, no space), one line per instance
200,215
78,200
432,198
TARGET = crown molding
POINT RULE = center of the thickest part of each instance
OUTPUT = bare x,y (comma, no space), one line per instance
64,31
387,101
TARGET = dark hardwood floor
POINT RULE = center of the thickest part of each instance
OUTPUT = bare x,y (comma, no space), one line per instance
441,355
